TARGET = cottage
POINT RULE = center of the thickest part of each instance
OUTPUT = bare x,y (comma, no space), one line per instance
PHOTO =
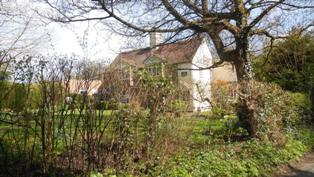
88,87
181,62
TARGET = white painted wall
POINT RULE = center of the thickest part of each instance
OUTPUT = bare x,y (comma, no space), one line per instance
187,80
201,78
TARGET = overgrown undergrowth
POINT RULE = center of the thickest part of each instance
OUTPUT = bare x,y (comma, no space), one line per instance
212,156
196,147
251,158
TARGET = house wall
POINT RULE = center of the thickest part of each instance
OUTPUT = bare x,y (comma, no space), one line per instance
185,83
89,86
125,71
187,80
226,73
201,78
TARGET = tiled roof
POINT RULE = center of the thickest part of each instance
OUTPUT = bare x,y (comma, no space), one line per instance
179,52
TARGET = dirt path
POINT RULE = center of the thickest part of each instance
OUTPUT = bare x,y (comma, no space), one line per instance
303,168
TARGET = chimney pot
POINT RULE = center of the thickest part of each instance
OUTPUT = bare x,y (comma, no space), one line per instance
155,39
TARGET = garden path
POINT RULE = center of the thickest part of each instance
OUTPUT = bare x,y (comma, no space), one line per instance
304,168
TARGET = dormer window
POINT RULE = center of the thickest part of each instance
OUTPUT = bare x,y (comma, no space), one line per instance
124,72
154,70
153,65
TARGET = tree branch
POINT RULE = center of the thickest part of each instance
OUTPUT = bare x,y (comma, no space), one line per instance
263,14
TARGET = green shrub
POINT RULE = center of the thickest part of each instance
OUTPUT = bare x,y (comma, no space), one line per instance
232,127
289,65
131,133
96,174
218,113
223,98
272,110
18,97
178,107
299,109
5,88
305,134
102,105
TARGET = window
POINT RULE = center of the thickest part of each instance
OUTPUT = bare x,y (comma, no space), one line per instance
153,65
184,73
154,69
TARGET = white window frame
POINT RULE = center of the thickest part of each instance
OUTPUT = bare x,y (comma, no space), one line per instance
185,73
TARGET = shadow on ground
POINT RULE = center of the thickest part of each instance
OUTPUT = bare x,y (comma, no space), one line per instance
294,172
18,164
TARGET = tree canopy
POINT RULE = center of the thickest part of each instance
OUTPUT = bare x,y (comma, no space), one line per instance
290,64
229,23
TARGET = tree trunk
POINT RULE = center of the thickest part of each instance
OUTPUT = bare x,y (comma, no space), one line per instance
240,70
312,102
243,70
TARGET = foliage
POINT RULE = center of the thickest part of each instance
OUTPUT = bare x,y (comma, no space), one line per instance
81,138
4,88
18,97
231,127
156,87
106,105
95,174
223,108
178,107
272,109
223,98
251,158
297,107
305,134
128,126
4,75
156,90
290,64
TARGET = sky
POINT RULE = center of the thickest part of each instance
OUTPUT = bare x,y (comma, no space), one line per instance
82,39
88,40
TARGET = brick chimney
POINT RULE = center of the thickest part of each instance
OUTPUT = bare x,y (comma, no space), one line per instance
155,39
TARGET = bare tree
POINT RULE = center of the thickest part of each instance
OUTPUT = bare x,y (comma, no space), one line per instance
19,32
238,18
230,24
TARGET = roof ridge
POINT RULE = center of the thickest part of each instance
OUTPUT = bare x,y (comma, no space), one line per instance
164,44
177,52
134,50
